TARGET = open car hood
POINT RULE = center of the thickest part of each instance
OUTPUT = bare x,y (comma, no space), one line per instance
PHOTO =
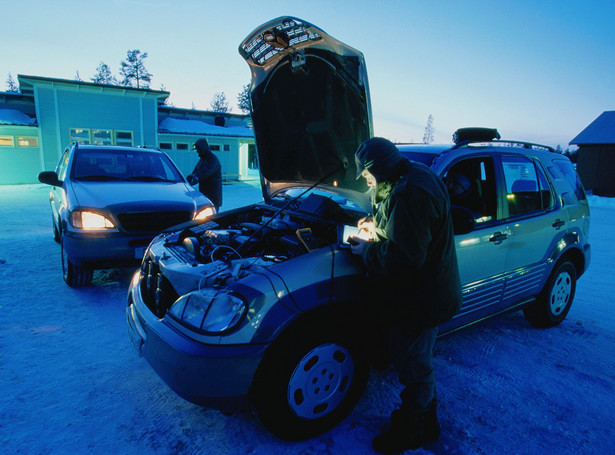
310,107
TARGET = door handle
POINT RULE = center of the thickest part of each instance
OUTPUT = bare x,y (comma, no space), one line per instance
498,237
558,224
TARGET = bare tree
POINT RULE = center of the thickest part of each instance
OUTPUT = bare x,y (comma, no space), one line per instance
78,76
103,75
219,103
11,85
429,131
243,99
133,70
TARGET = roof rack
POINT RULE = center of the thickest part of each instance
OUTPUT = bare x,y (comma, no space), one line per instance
506,143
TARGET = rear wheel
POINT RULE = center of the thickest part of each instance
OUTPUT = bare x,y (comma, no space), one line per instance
553,303
309,382
75,275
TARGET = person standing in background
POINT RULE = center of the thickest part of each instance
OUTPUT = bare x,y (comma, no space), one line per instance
209,173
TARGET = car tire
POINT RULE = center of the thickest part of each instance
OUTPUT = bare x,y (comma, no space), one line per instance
75,275
308,382
555,299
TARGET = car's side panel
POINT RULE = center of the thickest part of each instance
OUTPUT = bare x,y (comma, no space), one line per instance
525,282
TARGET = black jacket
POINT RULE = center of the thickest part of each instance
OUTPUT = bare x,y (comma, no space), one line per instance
209,173
413,261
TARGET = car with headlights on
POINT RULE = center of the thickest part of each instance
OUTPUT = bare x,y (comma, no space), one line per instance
108,203
266,301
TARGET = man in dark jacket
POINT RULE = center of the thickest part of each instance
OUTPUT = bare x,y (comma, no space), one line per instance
412,263
209,173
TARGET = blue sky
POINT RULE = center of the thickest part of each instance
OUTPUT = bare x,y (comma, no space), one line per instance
538,71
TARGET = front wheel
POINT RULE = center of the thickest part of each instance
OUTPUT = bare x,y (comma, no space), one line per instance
309,382
554,301
74,275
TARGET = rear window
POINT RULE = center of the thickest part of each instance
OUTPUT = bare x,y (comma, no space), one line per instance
527,189
571,176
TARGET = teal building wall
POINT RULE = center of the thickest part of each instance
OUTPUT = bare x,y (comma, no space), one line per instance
64,111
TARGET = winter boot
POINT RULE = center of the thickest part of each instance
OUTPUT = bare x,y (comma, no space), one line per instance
408,431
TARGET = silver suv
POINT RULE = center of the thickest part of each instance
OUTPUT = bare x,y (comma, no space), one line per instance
109,202
528,221
267,302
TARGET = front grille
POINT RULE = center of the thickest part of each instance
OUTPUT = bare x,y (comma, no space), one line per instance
157,292
152,222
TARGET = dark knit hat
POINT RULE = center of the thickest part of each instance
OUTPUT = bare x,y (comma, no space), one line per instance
379,156
201,145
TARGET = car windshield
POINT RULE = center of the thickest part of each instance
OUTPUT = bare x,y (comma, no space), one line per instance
124,165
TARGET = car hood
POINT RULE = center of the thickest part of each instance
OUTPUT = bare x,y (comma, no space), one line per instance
310,107
138,195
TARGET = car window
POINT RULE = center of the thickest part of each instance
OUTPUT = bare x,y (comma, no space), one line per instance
571,177
527,188
62,164
108,165
471,184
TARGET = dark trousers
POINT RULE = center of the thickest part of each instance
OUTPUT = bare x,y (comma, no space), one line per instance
412,357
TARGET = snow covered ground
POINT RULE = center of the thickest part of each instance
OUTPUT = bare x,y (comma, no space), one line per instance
71,381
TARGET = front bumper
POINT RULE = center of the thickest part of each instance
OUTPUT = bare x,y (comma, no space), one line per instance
215,376
99,249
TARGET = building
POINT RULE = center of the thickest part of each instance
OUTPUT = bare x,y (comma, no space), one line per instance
49,114
596,155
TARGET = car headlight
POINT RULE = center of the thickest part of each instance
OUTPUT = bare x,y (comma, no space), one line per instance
209,310
90,221
205,213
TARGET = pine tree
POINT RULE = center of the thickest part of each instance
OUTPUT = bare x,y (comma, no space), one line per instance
133,70
11,85
219,103
429,131
103,75
243,99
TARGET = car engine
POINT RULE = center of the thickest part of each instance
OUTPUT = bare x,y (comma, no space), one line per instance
237,243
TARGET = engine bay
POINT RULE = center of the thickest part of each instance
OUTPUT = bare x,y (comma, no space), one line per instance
265,231
237,243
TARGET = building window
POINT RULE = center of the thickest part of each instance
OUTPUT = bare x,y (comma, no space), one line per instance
166,146
27,141
214,148
227,148
123,138
102,137
6,141
79,135
181,146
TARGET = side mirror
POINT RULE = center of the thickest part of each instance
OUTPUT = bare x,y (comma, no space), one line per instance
49,178
192,179
463,220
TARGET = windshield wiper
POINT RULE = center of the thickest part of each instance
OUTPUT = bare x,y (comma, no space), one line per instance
99,178
150,178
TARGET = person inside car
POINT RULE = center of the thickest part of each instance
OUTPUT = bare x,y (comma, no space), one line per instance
412,263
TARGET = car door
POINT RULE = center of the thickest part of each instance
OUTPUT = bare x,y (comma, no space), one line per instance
482,253
534,220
